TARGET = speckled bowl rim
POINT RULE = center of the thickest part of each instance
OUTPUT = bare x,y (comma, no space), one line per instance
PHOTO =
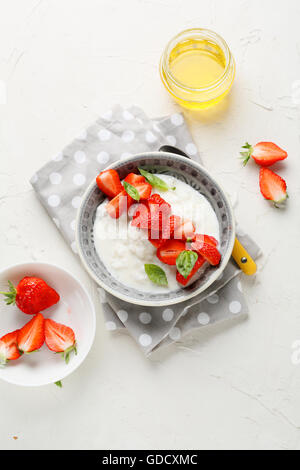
158,303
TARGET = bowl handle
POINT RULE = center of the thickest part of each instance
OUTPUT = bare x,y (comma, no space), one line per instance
171,149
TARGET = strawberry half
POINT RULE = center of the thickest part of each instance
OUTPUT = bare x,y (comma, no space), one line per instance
272,186
182,280
169,251
141,217
32,336
208,251
119,204
140,184
199,239
185,230
109,183
60,338
31,295
169,225
8,347
263,153
134,179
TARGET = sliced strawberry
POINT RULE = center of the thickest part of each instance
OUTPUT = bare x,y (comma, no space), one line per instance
263,153
208,251
109,183
170,226
141,217
199,239
185,230
157,203
144,189
60,338
139,182
134,179
182,280
168,252
32,336
272,186
119,204
159,237
8,347
159,212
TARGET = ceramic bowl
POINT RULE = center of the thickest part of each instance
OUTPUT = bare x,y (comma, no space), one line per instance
185,170
75,309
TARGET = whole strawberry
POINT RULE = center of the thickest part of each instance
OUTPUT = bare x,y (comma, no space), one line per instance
31,295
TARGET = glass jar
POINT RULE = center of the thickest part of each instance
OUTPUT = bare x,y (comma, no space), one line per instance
197,68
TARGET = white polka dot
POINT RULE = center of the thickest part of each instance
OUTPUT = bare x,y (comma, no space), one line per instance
176,119
125,155
150,137
191,149
145,318
82,135
79,156
171,139
213,299
203,318
102,295
54,200
73,224
55,178
127,115
239,286
79,179
74,247
56,221
76,202
175,334
235,306
34,178
145,340
110,325
123,315
58,157
128,136
103,157
104,134
168,314
107,115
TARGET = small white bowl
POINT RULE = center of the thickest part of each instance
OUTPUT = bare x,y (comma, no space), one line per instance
75,309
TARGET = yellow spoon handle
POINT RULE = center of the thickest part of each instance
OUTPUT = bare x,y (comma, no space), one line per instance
243,259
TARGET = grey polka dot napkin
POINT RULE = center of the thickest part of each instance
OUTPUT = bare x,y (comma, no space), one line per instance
61,183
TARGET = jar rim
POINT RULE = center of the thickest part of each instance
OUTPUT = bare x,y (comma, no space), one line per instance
205,33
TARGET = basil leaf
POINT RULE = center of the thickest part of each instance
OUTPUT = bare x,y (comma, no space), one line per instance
156,274
155,181
185,262
132,191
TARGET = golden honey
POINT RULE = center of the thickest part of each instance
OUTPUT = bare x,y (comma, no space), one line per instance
197,68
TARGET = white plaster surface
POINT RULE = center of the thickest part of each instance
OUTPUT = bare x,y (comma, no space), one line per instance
62,64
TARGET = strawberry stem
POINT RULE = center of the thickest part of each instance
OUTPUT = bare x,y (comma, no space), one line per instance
10,297
246,154
66,354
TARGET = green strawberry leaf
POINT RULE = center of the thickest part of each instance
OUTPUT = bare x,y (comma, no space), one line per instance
132,191
185,262
156,274
155,181
58,383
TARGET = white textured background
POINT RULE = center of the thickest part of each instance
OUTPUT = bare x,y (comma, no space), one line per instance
63,63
